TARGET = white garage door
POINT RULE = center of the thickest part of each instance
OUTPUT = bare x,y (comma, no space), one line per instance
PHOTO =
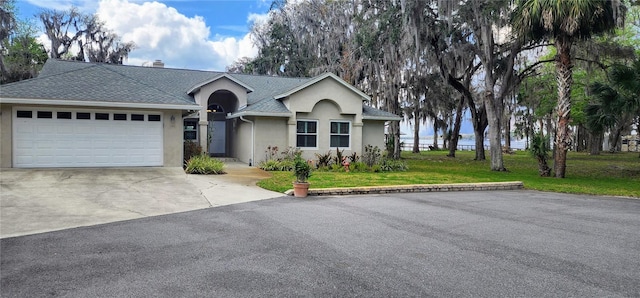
86,138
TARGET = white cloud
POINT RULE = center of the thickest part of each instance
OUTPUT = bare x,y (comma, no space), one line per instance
162,32
258,18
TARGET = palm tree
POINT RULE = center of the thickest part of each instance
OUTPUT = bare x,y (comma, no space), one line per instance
617,103
563,22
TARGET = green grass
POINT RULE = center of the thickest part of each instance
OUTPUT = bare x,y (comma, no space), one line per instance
606,174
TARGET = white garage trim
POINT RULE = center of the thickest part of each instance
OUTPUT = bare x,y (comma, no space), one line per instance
98,104
59,137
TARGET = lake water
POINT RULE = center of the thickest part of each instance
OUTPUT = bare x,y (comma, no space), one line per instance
465,143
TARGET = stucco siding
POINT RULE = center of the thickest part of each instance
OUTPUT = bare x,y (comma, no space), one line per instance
324,112
241,140
270,132
172,138
373,134
306,99
6,154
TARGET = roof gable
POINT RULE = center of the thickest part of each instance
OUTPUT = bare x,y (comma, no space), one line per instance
198,86
319,78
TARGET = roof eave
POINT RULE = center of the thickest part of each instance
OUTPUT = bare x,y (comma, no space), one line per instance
259,114
382,118
98,104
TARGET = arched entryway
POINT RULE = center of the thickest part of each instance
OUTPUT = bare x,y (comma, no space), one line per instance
219,104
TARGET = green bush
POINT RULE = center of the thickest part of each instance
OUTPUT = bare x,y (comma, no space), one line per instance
276,165
191,149
301,169
204,164
358,167
371,155
324,160
392,165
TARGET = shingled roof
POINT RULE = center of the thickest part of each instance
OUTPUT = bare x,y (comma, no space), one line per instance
92,83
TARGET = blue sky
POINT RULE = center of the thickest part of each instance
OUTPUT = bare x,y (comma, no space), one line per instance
202,34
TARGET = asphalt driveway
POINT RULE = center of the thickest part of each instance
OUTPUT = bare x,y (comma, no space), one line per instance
456,244
41,200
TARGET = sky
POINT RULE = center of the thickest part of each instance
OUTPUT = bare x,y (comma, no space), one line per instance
194,34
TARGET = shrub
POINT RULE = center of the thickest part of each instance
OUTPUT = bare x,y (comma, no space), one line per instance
338,159
324,160
290,153
540,150
353,157
204,164
301,169
276,165
358,167
191,149
392,165
371,155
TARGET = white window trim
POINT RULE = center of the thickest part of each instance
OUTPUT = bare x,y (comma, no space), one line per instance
338,134
316,134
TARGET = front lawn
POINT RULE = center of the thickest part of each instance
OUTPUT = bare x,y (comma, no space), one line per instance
606,174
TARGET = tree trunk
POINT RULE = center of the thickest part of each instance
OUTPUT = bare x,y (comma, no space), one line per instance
614,138
495,142
479,126
456,128
563,107
435,134
595,143
416,131
507,131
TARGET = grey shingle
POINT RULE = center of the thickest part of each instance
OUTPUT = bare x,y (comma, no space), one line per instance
80,81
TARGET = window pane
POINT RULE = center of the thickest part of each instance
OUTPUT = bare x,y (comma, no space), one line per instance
300,128
344,141
334,127
300,141
64,115
339,141
119,116
311,127
137,117
83,115
344,127
154,117
305,141
335,141
102,116
45,114
24,114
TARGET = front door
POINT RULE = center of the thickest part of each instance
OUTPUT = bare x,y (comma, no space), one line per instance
217,137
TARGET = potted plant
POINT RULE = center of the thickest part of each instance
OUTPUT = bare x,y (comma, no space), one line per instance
302,171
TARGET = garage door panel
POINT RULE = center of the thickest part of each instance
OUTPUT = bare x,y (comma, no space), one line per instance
65,142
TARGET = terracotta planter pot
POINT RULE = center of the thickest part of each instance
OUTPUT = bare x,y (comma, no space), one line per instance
300,189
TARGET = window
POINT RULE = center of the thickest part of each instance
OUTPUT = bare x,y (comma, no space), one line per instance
153,118
307,134
45,114
190,132
84,116
102,116
137,117
24,114
340,134
64,115
120,117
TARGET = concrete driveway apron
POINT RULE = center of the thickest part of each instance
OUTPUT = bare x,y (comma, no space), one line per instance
41,200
